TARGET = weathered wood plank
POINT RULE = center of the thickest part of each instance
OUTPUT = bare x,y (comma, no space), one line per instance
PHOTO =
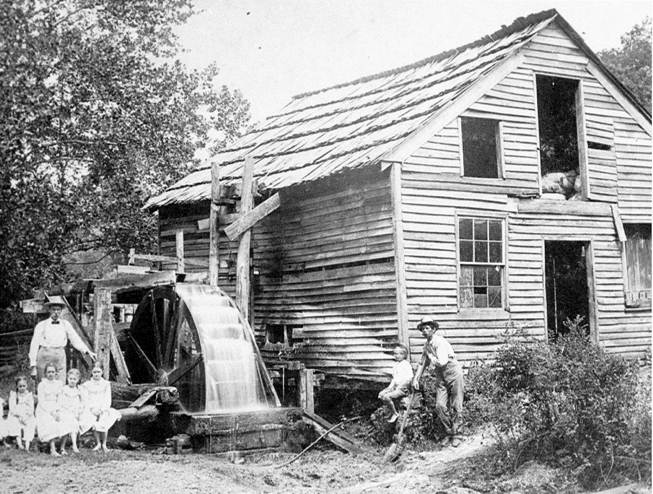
249,219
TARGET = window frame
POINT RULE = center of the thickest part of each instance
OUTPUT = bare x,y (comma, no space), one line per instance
477,311
498,136
581,130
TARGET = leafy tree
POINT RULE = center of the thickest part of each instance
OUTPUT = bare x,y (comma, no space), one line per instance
97,115
631,63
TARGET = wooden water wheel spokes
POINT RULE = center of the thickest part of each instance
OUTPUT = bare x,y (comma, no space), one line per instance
165,347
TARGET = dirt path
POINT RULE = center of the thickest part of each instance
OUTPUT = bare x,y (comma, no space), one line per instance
442,471
143,471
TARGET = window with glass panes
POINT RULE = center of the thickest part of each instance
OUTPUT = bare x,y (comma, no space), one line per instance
480,254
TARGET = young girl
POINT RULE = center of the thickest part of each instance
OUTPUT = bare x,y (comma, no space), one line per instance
98,402
20,421
71,408
47,410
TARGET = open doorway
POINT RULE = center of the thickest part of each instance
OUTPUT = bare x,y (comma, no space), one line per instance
567,292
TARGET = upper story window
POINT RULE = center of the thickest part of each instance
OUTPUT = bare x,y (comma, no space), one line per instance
481,147
481,262
558,104
637,258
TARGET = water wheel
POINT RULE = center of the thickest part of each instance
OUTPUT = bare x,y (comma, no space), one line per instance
194,338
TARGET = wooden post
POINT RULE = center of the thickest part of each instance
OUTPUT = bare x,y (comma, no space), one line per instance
214,232
243,282
400,268
103,327
179,242
305,386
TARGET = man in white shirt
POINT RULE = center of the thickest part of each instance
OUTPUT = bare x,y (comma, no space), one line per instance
49,343
448,379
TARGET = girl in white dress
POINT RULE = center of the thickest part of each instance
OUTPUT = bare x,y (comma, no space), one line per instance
47,410
71,408
20,421
97,395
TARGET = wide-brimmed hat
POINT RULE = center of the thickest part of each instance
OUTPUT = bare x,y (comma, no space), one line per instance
54,302
428,321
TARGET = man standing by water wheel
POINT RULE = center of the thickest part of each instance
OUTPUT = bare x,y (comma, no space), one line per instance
448,376
49,343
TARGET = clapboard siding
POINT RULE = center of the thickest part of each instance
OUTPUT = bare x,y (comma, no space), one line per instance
621,174
432,268
325,264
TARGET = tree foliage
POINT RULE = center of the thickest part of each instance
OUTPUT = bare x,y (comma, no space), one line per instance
631,62
97,115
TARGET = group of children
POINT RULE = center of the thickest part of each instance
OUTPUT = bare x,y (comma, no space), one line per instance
62,411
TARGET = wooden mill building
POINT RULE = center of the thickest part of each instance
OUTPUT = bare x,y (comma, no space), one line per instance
506,183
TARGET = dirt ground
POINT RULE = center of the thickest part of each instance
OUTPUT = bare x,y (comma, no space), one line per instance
443,470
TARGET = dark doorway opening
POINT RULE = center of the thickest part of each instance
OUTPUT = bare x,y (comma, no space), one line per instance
567,293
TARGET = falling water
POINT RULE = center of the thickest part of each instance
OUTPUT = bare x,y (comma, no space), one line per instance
234,380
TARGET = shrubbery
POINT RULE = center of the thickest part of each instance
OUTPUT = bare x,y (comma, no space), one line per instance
568,403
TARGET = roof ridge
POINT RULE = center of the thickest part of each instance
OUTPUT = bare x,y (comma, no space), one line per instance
516,25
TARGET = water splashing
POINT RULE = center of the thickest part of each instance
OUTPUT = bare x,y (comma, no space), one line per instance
233,369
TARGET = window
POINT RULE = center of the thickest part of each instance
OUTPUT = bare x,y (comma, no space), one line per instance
558,110
280,334
480,254
481,156
637,255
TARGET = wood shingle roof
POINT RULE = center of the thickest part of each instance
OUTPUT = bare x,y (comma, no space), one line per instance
355,124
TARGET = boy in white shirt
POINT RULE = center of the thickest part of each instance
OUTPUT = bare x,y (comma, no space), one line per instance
448,379
399,387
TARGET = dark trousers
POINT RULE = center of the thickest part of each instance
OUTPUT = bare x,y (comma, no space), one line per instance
450,389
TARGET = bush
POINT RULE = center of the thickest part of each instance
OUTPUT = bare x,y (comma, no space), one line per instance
567,403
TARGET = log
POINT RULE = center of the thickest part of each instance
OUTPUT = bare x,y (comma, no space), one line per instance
336,436
214,233
243,281
133,414
248,220
103,328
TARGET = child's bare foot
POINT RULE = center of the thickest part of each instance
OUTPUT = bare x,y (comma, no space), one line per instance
20,446
104,448
54,453
75,449
63,452
97,447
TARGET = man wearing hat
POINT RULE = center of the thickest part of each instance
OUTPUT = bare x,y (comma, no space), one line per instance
49,342
448,379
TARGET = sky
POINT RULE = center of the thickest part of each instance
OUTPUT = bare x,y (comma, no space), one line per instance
273,49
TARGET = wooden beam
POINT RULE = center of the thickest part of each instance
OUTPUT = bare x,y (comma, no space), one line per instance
119,361
581,208
154,373
338,436
137,281
243,259
581,140
168,259
247,221
591,295
305,386
618,224
179,247
223,219
400,268
103,328
214,233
